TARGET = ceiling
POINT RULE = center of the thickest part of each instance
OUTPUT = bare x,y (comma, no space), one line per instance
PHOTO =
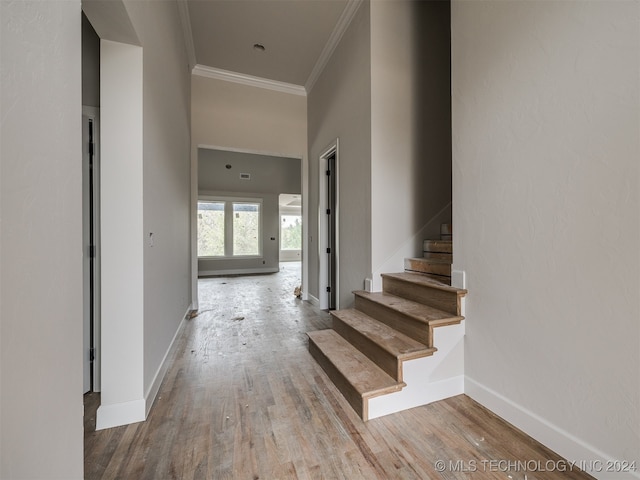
289,200
297,35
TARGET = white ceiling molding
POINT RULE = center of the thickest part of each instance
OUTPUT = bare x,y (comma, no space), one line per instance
183,9
338,31
250,80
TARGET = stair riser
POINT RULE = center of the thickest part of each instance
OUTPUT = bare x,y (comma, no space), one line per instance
438,256
403,323
350,394
422,266
386,361
440,278
437,246
442,300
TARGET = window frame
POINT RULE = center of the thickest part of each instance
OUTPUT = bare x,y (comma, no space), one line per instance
228,225
224,241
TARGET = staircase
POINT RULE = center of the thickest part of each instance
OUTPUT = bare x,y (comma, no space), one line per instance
437,257
390,351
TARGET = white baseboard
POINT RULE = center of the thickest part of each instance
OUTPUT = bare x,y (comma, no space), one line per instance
313,300
152,392
118,414
574,450
237,271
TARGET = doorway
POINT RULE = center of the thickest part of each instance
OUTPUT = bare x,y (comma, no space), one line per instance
91,248
328,216
290,227
232,176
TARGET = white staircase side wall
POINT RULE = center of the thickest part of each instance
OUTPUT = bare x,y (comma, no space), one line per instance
428,379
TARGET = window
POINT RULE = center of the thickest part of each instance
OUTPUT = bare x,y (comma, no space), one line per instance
290,232
246,228
228,228
211,229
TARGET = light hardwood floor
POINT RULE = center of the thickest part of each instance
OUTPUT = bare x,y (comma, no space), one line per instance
243,399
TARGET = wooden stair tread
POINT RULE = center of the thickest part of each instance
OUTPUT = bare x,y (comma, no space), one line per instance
424,280
426,314
364,376
391,340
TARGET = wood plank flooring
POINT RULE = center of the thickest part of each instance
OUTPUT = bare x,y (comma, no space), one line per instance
243,399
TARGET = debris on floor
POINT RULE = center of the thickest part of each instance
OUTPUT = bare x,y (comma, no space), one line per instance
237,319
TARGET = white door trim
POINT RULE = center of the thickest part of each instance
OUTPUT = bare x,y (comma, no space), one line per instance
304,186
93,113
332,148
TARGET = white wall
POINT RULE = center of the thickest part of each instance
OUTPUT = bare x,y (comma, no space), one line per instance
121,239
546,195
41,241
410,129
340,106
240,117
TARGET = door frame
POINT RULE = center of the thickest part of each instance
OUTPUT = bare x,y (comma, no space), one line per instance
92,336
332,149
304,182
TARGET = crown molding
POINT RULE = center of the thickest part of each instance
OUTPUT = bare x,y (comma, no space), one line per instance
334,39
185,20
235,77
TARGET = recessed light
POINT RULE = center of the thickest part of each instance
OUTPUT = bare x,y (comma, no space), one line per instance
259,47
227,166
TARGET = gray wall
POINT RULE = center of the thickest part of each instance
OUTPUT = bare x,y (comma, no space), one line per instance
410,129
386,94
340,106
41,241
546,196
270,176
167,184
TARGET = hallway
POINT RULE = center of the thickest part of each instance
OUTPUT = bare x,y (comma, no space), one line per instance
243,399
